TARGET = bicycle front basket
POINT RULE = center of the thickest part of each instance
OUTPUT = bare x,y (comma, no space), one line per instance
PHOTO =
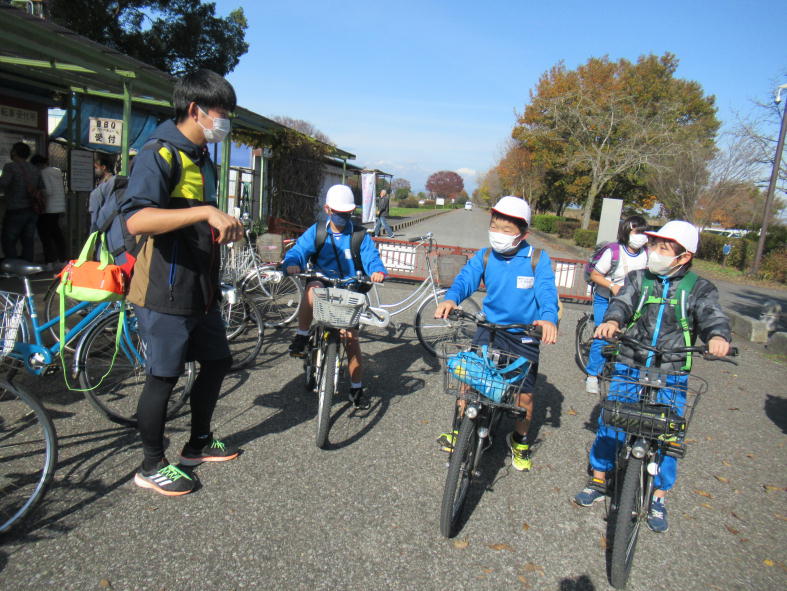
11,312
339,308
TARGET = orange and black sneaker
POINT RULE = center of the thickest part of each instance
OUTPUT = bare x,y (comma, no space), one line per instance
167,480
215,451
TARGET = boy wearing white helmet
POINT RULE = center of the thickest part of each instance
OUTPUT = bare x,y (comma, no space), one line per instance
328,245
520,289
647,308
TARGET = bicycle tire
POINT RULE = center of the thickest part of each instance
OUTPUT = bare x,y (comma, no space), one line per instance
583,340
311,362
627,523
433,332
245,331
329,379
116,397
279,301
459,477
28,454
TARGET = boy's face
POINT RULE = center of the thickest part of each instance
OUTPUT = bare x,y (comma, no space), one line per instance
504,227
668,248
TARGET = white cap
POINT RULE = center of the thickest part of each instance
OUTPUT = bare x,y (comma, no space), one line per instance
681,232
515,207
340,198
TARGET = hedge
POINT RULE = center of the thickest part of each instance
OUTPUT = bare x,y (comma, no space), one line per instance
585,238
546,223
566,228
774,265
741,256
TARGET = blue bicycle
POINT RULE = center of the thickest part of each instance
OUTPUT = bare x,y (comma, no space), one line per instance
112,382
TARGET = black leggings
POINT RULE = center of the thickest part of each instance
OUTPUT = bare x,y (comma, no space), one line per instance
152,407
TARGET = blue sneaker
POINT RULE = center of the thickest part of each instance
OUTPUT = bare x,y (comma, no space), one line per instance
594,492
657,516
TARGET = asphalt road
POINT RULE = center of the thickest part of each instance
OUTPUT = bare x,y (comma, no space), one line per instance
364,514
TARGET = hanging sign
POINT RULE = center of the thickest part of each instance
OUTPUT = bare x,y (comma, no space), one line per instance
105,131
16,116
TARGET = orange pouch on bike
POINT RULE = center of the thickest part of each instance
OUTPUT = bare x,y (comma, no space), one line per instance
93,281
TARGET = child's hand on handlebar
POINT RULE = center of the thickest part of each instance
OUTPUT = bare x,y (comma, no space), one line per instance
718,346
293,270
444,308
606,330
548,331
377,277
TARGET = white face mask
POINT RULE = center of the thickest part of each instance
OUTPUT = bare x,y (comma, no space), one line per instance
637,241
503,243
221,127
661,265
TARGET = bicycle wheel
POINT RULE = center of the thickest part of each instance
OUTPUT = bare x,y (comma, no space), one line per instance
329,380
583,341
28,454
459,478
312,362
433,332
278,300
627,523
52,310
245,330
116,397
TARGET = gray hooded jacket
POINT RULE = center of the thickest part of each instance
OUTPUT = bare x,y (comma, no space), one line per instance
703,312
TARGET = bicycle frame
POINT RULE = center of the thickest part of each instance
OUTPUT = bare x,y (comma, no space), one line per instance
35,355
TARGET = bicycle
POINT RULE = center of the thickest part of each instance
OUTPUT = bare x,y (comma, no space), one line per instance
28,441
335,310
244,325
483,395
431,332
654,412
95,332
584,339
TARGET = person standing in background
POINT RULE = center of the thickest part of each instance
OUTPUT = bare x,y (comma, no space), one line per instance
49,232
104,172
19,178
383,204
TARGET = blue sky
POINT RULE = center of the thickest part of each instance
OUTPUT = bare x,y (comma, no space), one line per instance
416,87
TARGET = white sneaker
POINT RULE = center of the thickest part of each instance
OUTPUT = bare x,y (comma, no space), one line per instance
591,385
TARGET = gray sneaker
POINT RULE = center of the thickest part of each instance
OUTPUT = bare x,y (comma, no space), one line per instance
594,492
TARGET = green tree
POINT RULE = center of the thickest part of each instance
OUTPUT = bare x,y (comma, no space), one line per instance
176,36
401,188
611,120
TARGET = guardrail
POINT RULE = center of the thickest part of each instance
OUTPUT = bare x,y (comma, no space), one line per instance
406,260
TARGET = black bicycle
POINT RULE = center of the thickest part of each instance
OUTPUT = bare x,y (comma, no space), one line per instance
486,382
653,407
337,308
584,339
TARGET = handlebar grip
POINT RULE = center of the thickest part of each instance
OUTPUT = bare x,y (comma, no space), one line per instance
733,352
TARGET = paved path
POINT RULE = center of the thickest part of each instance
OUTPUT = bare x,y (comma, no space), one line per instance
364,514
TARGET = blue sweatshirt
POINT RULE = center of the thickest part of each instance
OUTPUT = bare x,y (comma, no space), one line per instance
326,260
513,294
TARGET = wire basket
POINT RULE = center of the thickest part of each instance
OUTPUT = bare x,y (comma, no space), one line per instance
339,308
12,307
477,373
649,402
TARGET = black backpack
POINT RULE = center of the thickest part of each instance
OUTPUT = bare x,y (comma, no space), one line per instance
355,245
107,219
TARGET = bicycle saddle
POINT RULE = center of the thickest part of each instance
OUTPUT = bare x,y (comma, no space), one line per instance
21,267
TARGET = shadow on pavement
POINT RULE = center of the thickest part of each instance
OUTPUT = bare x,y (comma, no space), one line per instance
580,583
776,410
750,303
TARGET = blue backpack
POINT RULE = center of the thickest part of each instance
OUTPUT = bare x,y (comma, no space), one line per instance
483,374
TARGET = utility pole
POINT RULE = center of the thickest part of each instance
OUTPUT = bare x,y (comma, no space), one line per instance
777,161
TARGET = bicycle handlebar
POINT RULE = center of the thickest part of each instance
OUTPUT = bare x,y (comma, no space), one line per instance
530,330
703,349
335,281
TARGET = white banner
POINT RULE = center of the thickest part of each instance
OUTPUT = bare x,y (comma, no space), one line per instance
368,182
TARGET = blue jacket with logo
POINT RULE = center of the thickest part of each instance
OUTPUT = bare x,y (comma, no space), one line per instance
514,295
327,262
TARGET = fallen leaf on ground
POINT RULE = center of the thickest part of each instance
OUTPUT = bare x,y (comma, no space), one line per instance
556,489
733,409
523,580
691,441
461,544
703,493
709,438
533,568
603,542
736,516
732,530
706,505
768,562
525,527
488,571
771,487
743,540
750,456
782,517
571,412
721,479
726,463
424,421
105,584
498,547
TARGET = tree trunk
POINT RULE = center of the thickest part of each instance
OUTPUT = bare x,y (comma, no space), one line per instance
594,189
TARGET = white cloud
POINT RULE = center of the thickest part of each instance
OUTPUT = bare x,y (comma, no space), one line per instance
466,171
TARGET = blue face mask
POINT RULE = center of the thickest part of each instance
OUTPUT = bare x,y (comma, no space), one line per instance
340,220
